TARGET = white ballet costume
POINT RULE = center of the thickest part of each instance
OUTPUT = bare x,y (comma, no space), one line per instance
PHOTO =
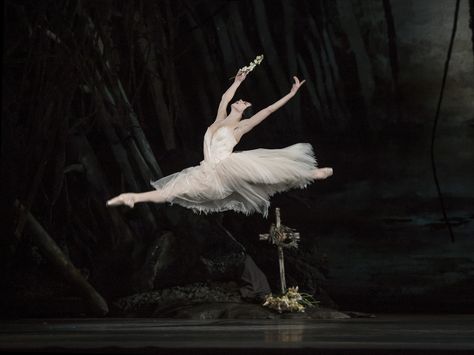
239,181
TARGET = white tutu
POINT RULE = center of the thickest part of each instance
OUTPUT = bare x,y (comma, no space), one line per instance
239,181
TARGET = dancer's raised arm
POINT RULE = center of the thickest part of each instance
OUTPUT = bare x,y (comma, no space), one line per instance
247,125
228,95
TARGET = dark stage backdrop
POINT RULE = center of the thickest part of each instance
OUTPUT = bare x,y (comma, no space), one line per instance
100,97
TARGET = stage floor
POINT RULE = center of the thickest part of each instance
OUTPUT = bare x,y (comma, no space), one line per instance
399,334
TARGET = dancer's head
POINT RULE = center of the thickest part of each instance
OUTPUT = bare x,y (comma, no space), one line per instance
240,106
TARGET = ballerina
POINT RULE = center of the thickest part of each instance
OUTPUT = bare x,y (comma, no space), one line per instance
239,181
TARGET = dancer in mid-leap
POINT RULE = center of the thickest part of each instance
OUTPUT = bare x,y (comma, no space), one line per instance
240,181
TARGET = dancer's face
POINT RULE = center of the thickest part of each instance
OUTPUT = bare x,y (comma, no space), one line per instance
240,105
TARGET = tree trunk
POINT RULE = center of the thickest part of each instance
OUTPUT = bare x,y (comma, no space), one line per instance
97,305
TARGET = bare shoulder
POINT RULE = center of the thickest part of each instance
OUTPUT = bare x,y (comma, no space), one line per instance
213,127
240,129
243,126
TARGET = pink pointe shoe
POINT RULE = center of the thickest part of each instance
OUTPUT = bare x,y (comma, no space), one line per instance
123,199
323,173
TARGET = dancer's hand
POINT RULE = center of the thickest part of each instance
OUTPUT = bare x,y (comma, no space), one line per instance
296,85
240,76
123,199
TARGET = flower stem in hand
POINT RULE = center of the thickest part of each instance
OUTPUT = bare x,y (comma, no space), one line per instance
247,69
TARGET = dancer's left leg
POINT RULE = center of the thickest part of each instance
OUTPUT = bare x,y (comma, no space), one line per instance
130,199
322,173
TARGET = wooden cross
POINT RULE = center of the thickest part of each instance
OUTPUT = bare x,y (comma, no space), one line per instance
282,237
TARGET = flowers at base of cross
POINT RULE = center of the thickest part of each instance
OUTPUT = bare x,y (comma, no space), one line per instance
291,301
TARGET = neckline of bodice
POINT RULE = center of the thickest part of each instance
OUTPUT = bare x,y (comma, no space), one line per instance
217,130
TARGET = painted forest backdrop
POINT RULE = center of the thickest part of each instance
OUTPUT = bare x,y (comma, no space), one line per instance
100,97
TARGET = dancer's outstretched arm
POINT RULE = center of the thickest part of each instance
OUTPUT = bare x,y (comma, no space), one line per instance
228,95
248,124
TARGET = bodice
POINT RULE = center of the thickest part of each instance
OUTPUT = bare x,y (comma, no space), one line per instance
219,145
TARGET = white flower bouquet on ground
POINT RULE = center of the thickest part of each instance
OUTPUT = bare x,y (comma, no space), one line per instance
291,301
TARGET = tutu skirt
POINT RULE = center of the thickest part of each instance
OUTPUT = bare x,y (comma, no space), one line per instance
243,182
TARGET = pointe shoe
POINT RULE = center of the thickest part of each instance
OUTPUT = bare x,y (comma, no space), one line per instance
123,199
323,173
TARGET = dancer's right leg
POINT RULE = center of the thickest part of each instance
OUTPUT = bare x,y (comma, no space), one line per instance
130,199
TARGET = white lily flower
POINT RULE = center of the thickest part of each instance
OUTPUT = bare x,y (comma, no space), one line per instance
252,65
